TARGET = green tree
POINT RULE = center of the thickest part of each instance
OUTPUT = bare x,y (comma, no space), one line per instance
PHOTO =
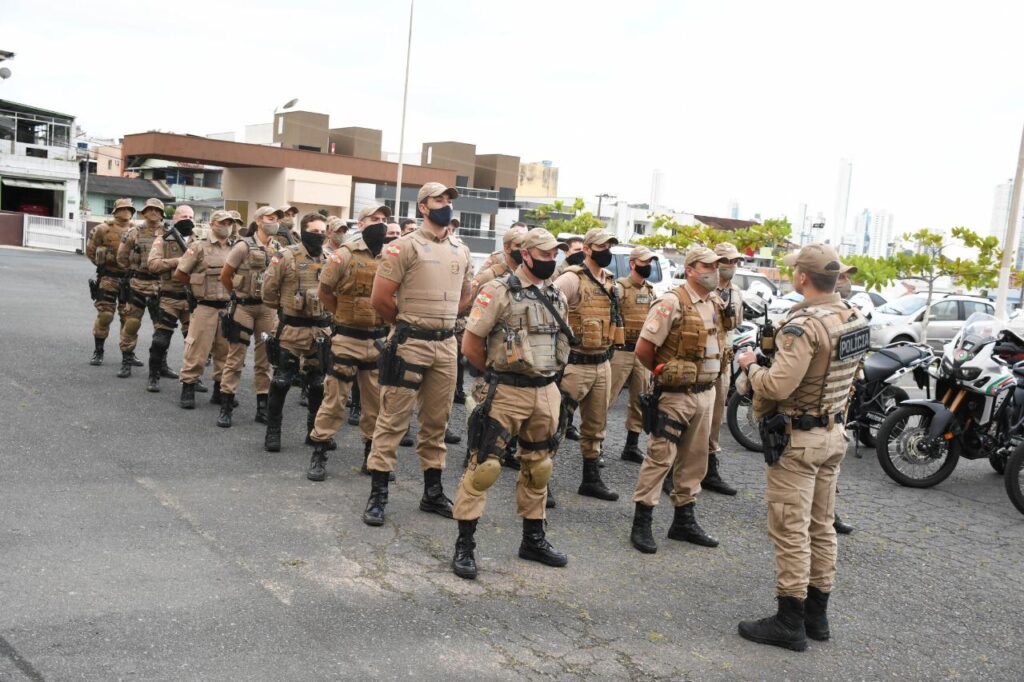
549,217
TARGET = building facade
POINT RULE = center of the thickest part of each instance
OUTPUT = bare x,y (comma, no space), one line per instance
39,168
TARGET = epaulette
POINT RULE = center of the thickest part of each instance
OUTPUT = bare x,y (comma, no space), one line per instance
793,330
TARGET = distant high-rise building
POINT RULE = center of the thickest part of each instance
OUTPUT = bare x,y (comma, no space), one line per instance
734,209
1001,210
842,205
880,234
658,189
862,232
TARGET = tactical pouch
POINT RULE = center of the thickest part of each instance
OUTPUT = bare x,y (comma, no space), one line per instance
311,304
190,299
649,411
392,368
237,281
197,281
668,428
774,438
592,337
124,290
153,306
324,354
729,316
94,289
273,347
100,257
678,373
618,335
493,440
228,327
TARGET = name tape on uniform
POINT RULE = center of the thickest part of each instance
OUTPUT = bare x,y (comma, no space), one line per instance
854,343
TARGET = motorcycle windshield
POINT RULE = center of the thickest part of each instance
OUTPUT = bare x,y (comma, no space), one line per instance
980,329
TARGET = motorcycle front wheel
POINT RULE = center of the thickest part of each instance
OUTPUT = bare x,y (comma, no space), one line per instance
1013,478
739,414
905,453
889,399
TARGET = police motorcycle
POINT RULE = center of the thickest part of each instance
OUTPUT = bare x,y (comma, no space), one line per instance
739,414
979,413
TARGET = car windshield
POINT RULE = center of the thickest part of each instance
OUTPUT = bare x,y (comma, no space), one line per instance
980,328
907,305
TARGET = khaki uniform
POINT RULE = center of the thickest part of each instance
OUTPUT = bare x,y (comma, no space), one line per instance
349,274
133,255
202,262
685,329
636,303
587,378
529,410
102,251
431,274
163,261
734,295
250,260
807,378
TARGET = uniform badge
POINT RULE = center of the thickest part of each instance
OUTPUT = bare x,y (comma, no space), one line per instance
476,313
663,311
275,260
653,326
454,267
191,250
483,299
393,249
336,259
384,267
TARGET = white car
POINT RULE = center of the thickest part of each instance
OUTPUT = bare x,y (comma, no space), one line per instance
779,306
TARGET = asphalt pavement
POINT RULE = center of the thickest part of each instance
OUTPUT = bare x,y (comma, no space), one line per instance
140,542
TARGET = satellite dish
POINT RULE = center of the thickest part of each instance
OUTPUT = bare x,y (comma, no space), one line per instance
5,73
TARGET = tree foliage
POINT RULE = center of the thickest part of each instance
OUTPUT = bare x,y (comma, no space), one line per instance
772,233
561,217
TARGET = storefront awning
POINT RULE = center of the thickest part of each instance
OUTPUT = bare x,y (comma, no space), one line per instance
33,184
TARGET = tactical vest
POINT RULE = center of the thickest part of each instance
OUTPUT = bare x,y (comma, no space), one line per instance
825,388
170,249
353,292
591,319
205,279
636,302
528,340
144,238
689,352
106,252
300,294
429,294
248,279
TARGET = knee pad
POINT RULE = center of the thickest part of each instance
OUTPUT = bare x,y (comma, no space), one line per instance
131,325
161,341
482,476
537,473
313,378
104,318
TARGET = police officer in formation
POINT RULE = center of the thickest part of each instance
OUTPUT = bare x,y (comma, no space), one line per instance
106,288
143,285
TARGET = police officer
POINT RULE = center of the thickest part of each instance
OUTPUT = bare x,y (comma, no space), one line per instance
818,350
336,232
593,303
515,334
844,287
200,268
732,300
573,256
682,343
242,276
346,283
421,285
291,284
408,226
102,251
636,296
144,286
162,261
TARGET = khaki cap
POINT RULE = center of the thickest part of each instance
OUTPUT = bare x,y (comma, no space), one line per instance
845,269
237,217
335,223
642,253
267,210
435,189
821,259
728,249
123,203
514,235
220,216
599,235
373,208
290,209
702,254
153,203
539,238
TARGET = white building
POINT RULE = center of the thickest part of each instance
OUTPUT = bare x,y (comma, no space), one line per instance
838,228
880,234
659,189
860,233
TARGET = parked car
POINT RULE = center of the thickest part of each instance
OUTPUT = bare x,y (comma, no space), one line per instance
779,306
901,319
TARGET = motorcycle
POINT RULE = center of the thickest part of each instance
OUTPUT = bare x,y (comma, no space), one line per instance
980,414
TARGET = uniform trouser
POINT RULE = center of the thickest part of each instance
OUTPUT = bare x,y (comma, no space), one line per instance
689,456
204,334
298,348
433,398
626,367
588,385
142,291
105,306
331,414
531,414
801,495
718,411
259,318
171,310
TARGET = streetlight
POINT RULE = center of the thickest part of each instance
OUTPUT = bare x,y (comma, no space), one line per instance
401,135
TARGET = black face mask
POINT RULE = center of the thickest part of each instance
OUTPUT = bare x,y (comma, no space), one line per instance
644,271
440,216
373,235
542,269
517,256
575,258
314,243
184,227
602,258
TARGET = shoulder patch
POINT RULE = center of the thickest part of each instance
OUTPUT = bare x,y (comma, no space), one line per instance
792,330
335,258
663,311
393,249
275,260
483,299
191,249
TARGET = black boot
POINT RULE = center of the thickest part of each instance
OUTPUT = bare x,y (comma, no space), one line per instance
713,480
367,446
126,366
374,514
631,452
535,546
317,462
215,396
135,362
227,406
592,485
201,387
685,527
166,372
451,438
275,406
641,535
464,563
784,629
509,459
97,353
434,499
155,361
815,614
572,433
407,440
460,394
261,408
354,414
154,382
841,527
550,502
188,396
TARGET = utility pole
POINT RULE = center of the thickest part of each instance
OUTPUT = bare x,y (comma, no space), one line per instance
401,136
599,198
1010,252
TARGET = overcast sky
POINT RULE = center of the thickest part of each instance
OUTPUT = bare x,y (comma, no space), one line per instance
753,101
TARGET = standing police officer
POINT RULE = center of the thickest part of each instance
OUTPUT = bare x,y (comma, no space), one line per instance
682,343
421,285
516,335
805,393
144,286
636,295
102,251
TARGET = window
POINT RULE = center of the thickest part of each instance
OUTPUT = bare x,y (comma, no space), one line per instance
110,164
640,228
108,207
944,311
469,221
971,307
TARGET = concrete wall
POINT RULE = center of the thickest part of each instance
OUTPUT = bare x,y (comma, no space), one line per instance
293,129
494,171
246,189
457,156
363,143
12,226
537,180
